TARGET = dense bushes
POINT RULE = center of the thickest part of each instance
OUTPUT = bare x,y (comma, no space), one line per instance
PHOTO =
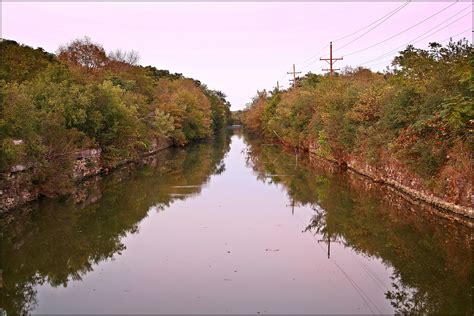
53,106
420,113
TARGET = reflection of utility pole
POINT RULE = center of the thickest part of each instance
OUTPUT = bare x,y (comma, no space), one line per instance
329,247
328,242
292,206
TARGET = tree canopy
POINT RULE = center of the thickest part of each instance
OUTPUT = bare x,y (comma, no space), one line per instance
53,106
420,114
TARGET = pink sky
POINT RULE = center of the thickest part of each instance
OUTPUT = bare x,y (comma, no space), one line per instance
235,47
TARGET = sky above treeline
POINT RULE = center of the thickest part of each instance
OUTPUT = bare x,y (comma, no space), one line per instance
241,47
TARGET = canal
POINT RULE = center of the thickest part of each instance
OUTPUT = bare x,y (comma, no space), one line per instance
233,225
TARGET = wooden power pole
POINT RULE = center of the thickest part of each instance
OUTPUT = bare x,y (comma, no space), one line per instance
331,61
294,73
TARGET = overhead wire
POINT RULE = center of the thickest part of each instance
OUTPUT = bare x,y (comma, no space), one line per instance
363,28
375,26
366,298
378,22
421,37
401,32
362,294
315,55
444,40
384,18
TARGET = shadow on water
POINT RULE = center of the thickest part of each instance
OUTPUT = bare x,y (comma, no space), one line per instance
57,242
431,256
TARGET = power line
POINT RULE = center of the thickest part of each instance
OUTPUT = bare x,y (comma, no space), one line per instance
283,77
365,298
401,32
361,29
446,39
375,26
386,16
315,55
380,63
422,36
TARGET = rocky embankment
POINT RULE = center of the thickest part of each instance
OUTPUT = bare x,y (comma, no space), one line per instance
18,186
456,198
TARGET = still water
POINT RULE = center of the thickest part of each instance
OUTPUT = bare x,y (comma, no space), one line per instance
233,226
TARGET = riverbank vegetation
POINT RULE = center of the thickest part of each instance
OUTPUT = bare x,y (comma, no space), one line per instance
417,116
55,106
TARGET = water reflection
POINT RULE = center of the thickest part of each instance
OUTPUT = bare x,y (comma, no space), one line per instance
57,242
431,257
235,243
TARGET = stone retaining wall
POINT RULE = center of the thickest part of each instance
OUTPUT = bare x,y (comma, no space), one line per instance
18,187
394,174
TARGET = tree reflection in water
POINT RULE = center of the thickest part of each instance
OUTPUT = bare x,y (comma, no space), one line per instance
430,256
57,242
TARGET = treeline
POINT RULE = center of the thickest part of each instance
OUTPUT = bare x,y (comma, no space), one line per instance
419,115
53,106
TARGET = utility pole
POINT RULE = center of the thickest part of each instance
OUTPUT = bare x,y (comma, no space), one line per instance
294,73
331,61
278,86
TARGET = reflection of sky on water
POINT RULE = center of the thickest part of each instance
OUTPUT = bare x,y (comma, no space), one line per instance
179,260
269,234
